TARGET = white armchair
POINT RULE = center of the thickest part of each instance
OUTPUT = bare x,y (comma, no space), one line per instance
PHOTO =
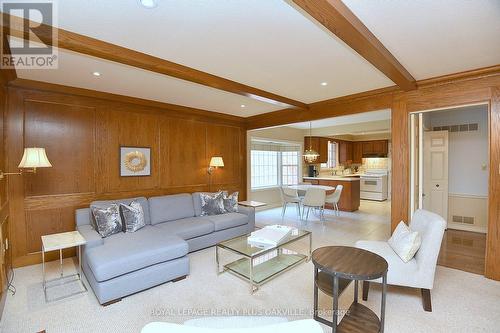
419,271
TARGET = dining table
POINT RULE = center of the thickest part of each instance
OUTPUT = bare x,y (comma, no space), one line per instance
302,188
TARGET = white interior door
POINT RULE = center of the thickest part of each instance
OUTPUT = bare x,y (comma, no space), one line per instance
435,173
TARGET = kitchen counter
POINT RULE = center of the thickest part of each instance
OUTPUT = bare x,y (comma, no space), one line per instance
341,178
349,199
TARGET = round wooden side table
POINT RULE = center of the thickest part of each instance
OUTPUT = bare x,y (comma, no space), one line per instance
334,269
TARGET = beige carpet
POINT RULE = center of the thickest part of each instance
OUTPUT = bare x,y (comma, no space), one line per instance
462,302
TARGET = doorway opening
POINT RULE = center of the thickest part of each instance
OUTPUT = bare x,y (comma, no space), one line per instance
354,151
449,176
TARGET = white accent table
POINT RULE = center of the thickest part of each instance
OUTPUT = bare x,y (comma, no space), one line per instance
59,242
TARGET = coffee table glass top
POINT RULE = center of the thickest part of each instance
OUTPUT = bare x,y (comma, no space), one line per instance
241,246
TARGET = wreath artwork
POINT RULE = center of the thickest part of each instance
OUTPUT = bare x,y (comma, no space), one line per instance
135,161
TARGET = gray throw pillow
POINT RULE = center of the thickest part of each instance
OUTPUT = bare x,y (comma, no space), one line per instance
107,219
231,202
133,216
212,203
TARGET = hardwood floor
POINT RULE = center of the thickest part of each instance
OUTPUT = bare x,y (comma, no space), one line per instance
463,250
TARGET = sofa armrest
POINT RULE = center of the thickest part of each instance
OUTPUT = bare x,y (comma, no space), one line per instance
250,212
91,236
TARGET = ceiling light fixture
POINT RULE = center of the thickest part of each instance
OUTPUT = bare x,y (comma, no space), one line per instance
243,106
310,155
96,73
149,3
324,83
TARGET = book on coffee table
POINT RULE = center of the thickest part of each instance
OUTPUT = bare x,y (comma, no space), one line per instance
269,236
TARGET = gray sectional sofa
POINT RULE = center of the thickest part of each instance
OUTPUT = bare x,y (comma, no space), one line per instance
126,263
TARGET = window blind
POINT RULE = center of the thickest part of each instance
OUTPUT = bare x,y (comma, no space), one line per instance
273,146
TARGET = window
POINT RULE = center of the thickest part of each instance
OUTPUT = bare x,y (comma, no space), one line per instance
289,167
332,156
264,168
274,164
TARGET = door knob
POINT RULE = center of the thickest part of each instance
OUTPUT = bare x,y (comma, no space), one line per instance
437,185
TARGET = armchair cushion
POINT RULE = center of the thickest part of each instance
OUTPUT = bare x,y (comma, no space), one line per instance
405,242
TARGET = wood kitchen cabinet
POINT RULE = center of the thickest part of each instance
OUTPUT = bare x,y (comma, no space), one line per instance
375,148
323,150
320,145
357,152
350,197
345,151
381,147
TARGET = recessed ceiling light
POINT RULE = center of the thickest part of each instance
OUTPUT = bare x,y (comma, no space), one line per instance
96,74
243,106
149,3
324,83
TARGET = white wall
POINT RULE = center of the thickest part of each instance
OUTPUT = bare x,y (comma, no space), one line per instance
468,151
271,196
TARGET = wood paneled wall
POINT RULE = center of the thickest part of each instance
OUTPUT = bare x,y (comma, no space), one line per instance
5,261
82,136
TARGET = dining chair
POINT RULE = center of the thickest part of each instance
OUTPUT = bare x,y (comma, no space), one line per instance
334,198
289,195
314,198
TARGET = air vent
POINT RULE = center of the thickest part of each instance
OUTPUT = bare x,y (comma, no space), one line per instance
463,219
457,128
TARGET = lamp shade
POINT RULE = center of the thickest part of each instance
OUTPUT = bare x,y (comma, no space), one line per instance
34,158
216,162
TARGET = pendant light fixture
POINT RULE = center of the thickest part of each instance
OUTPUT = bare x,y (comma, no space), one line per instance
310,155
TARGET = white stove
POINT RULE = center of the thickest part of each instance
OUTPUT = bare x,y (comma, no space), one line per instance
374,185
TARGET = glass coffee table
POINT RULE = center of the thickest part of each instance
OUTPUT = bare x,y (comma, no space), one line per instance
258,265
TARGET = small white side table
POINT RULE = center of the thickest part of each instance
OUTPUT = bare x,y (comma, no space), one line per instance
59,242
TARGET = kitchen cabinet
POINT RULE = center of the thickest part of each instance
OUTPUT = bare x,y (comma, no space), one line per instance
378,148
367,147
349,199
357,152
320,145
323,150
345,152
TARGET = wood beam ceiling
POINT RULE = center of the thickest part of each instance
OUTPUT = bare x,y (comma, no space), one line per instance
97,48
367,101
336,17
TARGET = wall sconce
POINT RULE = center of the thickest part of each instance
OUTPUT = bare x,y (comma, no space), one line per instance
215,162
32,158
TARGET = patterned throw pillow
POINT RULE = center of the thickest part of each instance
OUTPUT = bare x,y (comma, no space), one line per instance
212,203
107,220
133,216
231,202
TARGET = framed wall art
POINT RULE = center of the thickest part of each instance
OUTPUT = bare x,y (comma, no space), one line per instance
135,161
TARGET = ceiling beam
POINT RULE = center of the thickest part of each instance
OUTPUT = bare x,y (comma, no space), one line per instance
336,17
97,48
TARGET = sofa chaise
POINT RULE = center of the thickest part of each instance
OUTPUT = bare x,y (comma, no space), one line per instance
126,263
